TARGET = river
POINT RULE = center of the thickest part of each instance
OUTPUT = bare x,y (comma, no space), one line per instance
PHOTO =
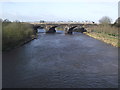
61,61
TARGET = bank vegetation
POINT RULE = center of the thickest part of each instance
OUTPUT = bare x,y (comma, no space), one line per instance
15,34
106,32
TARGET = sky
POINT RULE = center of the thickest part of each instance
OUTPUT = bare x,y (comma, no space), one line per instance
58,10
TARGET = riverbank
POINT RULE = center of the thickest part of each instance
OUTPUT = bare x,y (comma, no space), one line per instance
19,44
106,34
105,38
15,34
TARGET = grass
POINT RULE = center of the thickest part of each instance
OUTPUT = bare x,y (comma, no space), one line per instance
106,33
61,28
15,33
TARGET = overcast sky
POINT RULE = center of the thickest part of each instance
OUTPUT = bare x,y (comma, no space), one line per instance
58,10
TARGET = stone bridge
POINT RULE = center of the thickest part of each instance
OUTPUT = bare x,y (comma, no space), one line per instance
68,27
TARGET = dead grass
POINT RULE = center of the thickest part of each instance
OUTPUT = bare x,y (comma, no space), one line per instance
106,34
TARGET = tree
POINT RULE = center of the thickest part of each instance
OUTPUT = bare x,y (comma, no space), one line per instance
42,21
17,21
105,20
6,20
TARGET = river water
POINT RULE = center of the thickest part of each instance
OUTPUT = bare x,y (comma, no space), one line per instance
61,61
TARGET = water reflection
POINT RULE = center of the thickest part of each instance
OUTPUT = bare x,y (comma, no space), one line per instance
43,31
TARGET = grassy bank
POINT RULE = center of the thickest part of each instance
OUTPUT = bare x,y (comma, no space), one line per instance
61,28
106,33
15,34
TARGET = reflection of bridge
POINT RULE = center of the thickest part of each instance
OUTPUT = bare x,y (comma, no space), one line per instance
68,27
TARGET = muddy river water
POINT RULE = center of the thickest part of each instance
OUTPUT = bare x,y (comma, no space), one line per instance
61,61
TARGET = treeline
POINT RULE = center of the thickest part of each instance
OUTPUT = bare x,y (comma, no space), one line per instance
15,33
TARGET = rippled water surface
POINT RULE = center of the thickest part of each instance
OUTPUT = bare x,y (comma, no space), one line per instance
61,61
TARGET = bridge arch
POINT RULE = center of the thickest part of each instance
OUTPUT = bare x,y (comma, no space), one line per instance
70,30
51,29
76,29
35,28
80,29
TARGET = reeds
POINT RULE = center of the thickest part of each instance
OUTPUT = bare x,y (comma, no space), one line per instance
15,33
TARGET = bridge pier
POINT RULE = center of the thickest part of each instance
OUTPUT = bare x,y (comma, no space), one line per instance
66,28
35,28
69,32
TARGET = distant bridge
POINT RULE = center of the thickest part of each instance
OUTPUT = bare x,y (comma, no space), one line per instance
68,27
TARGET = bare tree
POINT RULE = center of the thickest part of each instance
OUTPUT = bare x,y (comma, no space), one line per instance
105,20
